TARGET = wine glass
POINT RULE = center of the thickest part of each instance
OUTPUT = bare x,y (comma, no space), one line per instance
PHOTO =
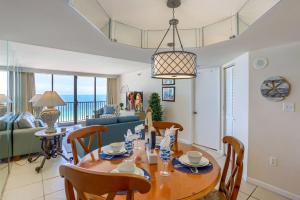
165,155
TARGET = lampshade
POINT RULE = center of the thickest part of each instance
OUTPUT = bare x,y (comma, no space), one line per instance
4,99
35,98
49,99
174,64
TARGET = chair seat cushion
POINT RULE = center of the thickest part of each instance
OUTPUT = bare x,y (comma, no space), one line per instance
215,195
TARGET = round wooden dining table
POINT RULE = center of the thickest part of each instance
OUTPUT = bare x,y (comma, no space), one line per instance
177,185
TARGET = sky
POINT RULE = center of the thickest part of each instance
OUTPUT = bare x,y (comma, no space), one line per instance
64,84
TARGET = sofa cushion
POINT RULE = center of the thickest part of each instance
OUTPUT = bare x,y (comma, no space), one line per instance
39,123
109,110
123,119
25,120
4,120
99,112
101,121
3,125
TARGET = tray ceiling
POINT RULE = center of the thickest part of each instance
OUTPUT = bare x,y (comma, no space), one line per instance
154,14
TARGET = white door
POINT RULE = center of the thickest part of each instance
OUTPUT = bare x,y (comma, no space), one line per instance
229,130
207,108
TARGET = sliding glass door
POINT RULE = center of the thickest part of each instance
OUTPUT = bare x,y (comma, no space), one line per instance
85,97
64,86
82,94
43,82
101,87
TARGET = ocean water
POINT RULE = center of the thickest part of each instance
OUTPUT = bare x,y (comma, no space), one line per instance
85,108
83,98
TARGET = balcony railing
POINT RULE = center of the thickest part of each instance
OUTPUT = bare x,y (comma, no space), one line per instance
85,109
197,37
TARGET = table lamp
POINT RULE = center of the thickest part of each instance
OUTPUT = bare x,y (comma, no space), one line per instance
50,99
4,99
36,109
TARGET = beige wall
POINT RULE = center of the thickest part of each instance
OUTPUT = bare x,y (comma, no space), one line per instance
273,132
179,111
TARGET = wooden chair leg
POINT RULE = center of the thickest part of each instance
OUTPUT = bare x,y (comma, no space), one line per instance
130,195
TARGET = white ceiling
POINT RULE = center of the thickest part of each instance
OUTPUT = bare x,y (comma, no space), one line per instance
32,56
52,23
154,14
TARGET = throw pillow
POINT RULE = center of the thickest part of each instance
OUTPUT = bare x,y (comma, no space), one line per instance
25,120
3,125
4,120
99,112
109,110
39,123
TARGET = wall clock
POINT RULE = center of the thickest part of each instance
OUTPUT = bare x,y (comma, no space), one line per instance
275,88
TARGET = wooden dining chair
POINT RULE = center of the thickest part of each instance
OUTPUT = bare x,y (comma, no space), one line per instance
91,185
162,125
80,136
230,183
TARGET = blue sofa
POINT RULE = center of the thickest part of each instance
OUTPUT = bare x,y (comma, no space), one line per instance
6,124
117,128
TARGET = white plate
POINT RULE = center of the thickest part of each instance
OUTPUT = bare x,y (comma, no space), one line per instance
106,149
137,171
184,160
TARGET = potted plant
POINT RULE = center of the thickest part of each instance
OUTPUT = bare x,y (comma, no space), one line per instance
154,104
121,105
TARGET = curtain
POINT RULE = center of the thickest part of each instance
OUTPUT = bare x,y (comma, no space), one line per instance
24,91
112,89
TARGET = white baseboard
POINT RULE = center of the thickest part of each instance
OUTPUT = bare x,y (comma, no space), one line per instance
274,189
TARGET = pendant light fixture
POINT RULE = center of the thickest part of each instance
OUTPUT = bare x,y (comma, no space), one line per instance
173,64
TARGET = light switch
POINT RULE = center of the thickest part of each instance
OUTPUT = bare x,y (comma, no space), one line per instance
288,107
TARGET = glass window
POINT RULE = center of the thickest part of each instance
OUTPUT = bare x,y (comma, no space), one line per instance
101,89
3,85
42,83
85,97
64,86
101,84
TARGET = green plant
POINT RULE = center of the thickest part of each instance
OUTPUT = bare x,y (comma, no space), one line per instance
154,104
121,105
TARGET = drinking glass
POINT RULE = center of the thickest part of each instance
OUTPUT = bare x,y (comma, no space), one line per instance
138,138
165,155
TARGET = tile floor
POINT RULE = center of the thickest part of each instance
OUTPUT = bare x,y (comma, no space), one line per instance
25,184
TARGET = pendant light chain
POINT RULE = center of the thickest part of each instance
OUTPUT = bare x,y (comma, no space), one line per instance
174,30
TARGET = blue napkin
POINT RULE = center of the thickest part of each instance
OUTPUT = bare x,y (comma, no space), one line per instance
190,170
106,156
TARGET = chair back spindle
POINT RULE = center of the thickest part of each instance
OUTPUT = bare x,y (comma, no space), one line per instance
230,184
92,185
81,135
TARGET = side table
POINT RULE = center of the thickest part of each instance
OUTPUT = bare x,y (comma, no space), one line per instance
51,145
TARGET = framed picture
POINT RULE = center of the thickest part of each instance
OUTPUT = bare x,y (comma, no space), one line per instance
168,81
168,94
134,101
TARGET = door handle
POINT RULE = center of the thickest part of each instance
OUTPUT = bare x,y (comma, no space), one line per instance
195,113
